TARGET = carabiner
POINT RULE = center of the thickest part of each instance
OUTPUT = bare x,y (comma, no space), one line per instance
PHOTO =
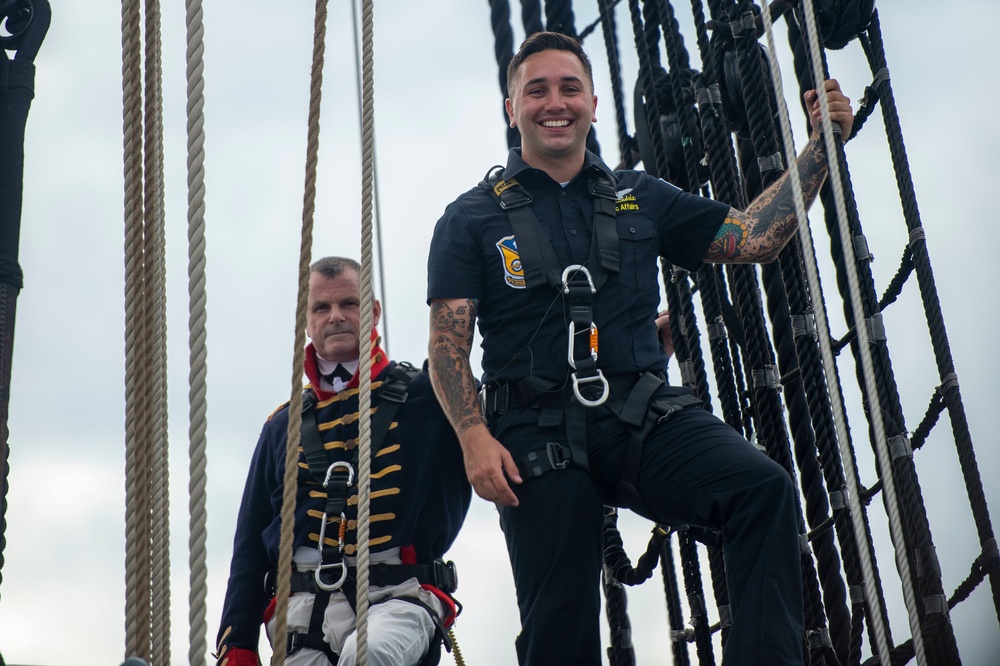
592,341
597,378
330,587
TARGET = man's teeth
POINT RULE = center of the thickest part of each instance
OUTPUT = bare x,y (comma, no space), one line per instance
555,123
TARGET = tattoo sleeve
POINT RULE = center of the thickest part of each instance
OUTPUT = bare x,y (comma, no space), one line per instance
452,328
759,233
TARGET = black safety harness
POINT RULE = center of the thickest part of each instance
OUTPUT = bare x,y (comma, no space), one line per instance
333,573
628,397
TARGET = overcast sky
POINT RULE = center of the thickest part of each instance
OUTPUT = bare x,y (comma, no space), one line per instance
438,128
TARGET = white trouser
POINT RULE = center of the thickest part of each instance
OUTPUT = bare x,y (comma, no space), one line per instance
399,632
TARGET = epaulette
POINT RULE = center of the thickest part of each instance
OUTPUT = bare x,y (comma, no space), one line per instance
278,409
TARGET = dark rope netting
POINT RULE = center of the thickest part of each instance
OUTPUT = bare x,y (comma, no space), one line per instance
25,23
714,132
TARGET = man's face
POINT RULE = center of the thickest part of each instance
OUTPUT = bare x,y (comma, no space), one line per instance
552,103
334,315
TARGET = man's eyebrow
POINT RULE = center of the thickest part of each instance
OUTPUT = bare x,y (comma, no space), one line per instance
542,79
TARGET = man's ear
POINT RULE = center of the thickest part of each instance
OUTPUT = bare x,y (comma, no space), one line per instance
509,105
376,312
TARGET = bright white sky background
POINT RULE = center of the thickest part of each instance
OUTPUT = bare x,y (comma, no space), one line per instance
438,128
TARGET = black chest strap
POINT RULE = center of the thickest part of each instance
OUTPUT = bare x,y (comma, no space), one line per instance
337,477
538,259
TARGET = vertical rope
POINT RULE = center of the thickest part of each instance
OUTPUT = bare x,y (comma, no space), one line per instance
295,404
155,341
197,336
503,51
137,609
364,407
932,305
375,188
610,31
829,363
871,391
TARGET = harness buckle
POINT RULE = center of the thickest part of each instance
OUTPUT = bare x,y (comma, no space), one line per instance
574,270
294,643
494,402
340,464
599,377
445,575
559,456
668,411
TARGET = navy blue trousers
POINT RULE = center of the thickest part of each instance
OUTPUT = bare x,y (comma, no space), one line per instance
695,470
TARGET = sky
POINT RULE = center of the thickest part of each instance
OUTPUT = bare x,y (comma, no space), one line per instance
439,127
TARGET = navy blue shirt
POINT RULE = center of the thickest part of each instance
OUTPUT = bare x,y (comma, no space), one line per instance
474,255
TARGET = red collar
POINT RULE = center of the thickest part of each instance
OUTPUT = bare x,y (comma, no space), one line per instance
311,367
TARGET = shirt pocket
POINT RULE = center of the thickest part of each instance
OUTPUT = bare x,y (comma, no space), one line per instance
638,248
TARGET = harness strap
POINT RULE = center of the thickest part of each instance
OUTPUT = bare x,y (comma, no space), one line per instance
337,479
440,633
538,259
442,575
604,257
655,413
313,639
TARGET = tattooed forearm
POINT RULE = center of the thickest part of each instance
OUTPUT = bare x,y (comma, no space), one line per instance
452,330
759,233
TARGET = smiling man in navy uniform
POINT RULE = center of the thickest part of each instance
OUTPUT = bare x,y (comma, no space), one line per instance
555,256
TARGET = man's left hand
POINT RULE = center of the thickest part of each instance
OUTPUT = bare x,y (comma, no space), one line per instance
841,112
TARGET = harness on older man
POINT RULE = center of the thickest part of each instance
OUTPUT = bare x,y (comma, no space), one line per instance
630,398
333,573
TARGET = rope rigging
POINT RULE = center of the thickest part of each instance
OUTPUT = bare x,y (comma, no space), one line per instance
25,25
720,131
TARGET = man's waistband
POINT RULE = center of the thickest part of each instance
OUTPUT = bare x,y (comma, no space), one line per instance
442,575
500,397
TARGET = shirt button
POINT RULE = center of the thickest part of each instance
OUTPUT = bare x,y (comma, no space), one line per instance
632,229
572,232
562,192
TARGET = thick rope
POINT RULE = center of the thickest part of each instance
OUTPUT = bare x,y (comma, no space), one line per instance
503,51
364,407
929,296
822,325
155,341
378,206
137,496
675,613
871,392
610,31
531,16
197,335
295,403
559,17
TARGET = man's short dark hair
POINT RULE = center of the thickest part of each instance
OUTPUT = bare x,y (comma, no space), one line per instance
548,41
331,267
